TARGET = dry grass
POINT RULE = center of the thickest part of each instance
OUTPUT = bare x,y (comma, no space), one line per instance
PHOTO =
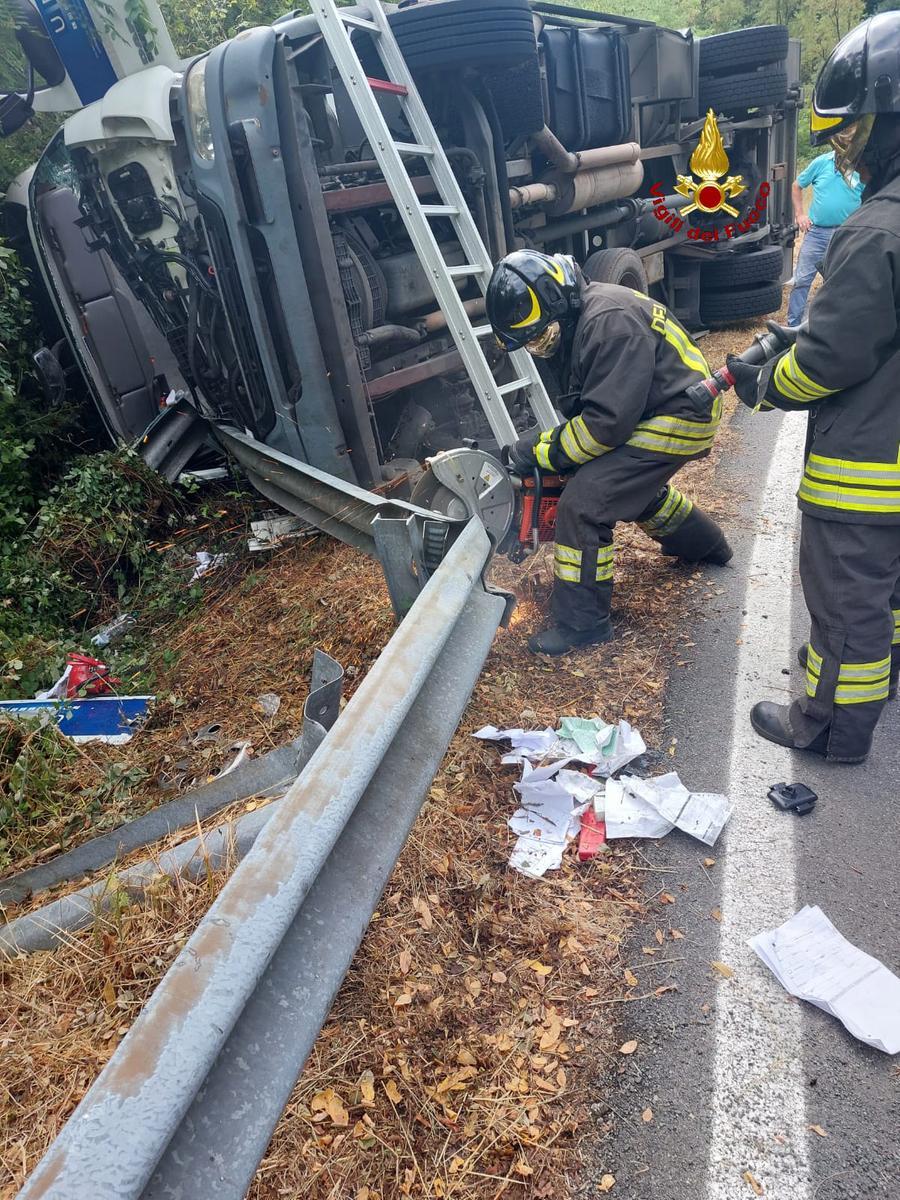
458,1057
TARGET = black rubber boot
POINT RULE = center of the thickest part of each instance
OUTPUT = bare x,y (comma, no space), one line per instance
697,539
559,639
772,721
895,670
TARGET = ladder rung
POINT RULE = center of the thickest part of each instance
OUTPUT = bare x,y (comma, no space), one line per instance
440,210
385,85
506,388
481,331
464,271
360,23
412,148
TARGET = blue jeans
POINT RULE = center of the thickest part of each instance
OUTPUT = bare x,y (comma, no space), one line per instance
815,243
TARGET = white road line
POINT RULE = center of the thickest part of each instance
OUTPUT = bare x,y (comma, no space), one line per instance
759,1122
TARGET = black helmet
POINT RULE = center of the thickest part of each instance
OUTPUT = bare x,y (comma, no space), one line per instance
860,81
527,292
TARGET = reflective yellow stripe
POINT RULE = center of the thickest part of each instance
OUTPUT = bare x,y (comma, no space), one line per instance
861,695
792,381
605,563
567,554
587,439
845,470
685,348
570,446
648,439
849,499
566,573
851,672
818,121
542,455
896,640
814,658
535,313
674,511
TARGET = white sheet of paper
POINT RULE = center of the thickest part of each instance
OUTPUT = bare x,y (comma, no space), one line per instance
628,746
815,962
534,857
627,815
701,814
579,786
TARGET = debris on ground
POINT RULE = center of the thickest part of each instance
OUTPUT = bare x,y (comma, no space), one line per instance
113,720
793,797
652,808
268,704
592,838
814,962
592,741
241,751
113,631
276,528
204,562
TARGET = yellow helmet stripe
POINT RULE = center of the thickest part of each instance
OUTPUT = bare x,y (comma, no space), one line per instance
818,122
535,313
555,269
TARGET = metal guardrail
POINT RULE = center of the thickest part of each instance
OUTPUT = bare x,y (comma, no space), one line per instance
188,1102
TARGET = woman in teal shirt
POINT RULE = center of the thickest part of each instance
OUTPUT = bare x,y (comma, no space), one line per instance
832,203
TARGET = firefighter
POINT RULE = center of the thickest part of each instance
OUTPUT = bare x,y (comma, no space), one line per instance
843,371
629,427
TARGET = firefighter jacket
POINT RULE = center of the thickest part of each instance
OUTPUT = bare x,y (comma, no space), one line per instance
844,370
630,365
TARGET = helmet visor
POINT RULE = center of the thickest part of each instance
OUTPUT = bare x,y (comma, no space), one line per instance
849,145
545,344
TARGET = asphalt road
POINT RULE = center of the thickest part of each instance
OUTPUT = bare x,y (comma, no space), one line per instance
734,1071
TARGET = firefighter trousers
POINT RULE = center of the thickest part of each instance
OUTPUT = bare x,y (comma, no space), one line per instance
620,486
851,583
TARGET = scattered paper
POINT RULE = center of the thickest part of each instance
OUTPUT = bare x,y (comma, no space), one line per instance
628,815
204,561
816,963
533,856
653,807
589,735
607,748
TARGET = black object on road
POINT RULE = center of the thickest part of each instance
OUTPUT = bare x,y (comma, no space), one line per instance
793,797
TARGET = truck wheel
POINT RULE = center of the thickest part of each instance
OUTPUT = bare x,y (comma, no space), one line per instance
730,94
724,53
726,307
616,266
449,33
737,270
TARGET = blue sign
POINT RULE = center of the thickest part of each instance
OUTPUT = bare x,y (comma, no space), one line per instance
73,33
111,719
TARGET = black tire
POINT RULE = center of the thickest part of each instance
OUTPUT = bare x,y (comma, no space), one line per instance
725,53
452,33
616,266
738,270
726,307
736,93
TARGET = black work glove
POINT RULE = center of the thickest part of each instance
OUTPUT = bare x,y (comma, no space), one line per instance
746,380
519,457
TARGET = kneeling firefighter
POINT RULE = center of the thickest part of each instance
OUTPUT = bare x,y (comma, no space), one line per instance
627,364
843,370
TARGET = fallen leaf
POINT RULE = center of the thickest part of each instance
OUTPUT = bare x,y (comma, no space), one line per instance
522,1168
660,936
467,1058
336,1111
716,914
676,935
607,1183
403,1000
366,1085
709,862
498,977
392,1092
666,987
424,912
109,993
750,1178
819,1130
539,968
362,1194
405,962
723,968
647,1116
667,898
630,978
628,1047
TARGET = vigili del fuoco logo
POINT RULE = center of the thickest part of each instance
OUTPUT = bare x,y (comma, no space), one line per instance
709,189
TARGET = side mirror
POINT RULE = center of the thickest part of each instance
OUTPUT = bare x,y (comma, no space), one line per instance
15,111
36,43
51,376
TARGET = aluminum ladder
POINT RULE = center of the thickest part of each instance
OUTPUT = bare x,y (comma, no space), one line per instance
336,25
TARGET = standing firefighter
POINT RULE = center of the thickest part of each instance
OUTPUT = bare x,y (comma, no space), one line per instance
844,372
630,427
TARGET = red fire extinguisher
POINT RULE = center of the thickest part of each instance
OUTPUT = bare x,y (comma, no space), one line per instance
89,677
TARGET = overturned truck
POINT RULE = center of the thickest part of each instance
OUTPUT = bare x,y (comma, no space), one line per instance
228,254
